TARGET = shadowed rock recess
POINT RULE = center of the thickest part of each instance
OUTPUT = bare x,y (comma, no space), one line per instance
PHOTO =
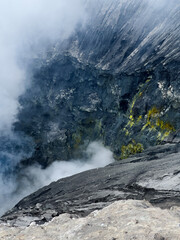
115,80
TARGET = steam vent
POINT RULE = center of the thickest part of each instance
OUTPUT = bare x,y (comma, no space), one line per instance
90,120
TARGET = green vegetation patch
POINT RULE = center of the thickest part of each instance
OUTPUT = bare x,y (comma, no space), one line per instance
131,149
154,122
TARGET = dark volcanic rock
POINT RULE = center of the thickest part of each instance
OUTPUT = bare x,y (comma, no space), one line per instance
116,80
70,103
152,175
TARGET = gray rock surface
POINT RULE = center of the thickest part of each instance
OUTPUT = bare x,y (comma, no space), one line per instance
62,112
153,175
124,36
122,220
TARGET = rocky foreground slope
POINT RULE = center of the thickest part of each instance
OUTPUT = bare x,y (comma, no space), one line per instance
71,207
122,220
153,176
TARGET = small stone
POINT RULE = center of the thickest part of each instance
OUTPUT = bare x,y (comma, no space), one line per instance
38,205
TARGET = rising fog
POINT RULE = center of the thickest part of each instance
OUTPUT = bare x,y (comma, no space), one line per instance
34,177
24,26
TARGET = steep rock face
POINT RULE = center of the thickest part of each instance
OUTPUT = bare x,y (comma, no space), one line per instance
124,36
116,80
152,175
70,104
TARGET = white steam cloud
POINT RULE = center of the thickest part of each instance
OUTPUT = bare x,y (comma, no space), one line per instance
36,177
25,25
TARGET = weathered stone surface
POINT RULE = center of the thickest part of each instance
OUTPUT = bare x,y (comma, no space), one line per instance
153,175
62,112
125,36
122,220
116,80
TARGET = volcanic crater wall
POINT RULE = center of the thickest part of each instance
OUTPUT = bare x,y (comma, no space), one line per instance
116,80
